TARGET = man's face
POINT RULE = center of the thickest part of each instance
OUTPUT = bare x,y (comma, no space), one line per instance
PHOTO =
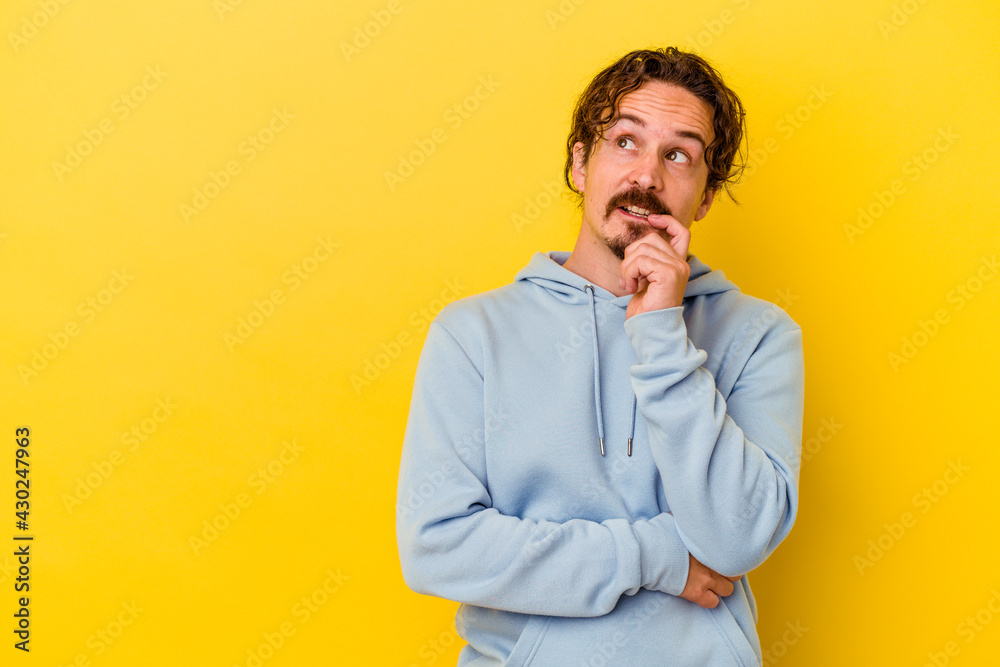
652,156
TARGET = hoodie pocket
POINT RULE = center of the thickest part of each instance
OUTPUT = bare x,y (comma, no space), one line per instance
731,633
528,642
650,629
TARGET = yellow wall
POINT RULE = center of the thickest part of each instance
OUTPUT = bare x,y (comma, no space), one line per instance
202,256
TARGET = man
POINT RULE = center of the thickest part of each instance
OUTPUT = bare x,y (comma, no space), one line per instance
598,453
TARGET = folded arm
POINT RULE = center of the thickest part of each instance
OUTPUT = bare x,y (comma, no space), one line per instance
729,467
455,545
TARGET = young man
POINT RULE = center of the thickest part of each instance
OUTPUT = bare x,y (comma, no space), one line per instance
598,453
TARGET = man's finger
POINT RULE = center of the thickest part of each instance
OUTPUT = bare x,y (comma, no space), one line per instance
724,588
652,246
637,266
652,240
660,220
681,235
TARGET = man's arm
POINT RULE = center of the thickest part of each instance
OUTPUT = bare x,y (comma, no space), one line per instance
455,545
730,468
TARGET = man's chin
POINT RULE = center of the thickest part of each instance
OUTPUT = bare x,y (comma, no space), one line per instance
618,244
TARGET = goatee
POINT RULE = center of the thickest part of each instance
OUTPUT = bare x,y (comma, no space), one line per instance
617,244
634,230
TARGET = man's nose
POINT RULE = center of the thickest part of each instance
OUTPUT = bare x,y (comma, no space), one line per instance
646,172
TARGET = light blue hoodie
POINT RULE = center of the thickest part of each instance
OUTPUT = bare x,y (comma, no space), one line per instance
561,555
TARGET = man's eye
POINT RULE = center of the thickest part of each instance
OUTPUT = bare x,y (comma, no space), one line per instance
623,142
677,156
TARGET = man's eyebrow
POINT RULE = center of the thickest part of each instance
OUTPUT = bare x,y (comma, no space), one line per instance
688,134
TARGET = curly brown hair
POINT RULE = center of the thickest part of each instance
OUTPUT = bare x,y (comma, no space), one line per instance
597,106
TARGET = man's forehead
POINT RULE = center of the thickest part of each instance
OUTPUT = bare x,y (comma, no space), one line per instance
657,102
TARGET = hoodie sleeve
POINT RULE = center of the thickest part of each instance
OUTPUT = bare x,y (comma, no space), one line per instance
455,545
729,467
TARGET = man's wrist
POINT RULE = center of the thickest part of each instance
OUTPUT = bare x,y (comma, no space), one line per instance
663,558
658,333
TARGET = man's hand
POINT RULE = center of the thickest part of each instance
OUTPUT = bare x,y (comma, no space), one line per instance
655,271
705,586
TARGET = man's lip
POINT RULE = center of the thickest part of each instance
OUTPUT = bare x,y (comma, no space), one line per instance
633,215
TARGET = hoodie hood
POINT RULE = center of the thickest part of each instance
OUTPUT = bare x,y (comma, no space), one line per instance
546,270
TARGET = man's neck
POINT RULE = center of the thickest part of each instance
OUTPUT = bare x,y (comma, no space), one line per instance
595,263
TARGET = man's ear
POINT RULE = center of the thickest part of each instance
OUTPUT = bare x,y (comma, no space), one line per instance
706,203
579,168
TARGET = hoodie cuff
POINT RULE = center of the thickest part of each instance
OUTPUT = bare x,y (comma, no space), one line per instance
663,558
656,333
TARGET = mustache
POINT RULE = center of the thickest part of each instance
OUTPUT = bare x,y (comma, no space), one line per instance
636,197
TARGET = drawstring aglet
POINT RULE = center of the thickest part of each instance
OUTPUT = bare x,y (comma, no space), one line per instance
602,446
630,446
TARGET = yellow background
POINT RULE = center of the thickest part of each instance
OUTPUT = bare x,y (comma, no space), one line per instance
159,99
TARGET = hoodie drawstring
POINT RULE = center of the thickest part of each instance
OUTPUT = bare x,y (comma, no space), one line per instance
597,381
597,369
631,428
